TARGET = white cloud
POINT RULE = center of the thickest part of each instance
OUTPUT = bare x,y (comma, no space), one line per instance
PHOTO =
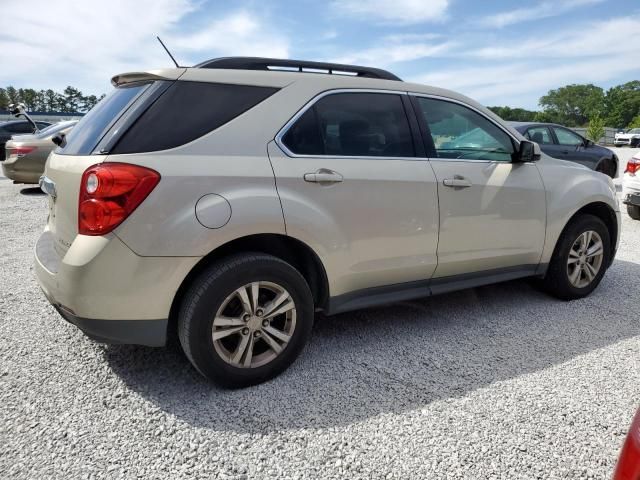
397,11
543,9
396,48
66,42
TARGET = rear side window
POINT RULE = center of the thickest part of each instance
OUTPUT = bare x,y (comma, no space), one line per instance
353,125
186,111
84,137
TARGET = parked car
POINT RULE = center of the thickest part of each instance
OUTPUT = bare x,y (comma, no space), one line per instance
229,202
628,467
27,154
560,142
631,187
16,127
630,137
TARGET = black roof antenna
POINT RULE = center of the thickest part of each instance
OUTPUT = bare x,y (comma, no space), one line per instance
168,52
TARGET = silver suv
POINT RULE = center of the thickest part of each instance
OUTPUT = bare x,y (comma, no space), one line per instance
231,201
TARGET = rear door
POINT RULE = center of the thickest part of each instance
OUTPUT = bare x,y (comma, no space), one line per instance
492,211
353,188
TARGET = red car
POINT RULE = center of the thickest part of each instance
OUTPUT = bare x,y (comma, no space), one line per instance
628,467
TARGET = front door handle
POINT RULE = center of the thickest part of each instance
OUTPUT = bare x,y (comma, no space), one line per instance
323,176
456,182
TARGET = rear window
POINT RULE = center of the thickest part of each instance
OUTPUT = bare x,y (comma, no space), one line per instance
84,137
186,111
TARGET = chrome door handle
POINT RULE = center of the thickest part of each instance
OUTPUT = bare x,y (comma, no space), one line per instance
323,176
456,182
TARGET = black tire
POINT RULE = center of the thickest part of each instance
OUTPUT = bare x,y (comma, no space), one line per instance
633,211
207,294
556,280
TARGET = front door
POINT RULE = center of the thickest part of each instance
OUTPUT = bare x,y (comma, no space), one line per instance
492,211
353,189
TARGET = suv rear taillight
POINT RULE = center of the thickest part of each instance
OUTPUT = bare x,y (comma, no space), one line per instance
109,192
628,467
633,166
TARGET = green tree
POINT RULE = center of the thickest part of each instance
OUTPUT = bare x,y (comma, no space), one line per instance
573,105
595,130
622,104
12,93
4,99
514,114
28,97
72,99
635,123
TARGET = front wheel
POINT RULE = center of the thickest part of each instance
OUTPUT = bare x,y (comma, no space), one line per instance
580,260
634,211
246,319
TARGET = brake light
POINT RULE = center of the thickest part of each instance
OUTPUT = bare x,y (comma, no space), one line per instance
633,165
628,467
19,151
109,193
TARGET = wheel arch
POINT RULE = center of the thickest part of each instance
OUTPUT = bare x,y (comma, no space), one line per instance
291,250
602,211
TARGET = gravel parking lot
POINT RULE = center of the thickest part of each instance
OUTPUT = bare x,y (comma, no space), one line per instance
494,382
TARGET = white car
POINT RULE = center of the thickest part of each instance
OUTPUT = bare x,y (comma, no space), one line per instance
631,138
631,187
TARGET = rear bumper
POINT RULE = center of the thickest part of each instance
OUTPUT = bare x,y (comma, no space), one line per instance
631,189
15,172
152,333
109,292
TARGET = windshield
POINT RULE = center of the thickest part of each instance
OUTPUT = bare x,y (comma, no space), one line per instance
84,137
634,130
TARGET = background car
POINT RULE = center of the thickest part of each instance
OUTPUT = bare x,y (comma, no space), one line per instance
560,142
628,467
27,154
630,137
16,127
631,187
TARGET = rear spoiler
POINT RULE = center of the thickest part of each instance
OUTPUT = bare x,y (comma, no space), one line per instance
131,77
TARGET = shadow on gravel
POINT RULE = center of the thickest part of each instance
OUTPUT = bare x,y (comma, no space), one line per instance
32,192
397,358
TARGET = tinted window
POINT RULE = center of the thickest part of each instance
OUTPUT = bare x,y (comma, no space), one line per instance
186,111
353,124
84,137
459,132
566,137
540,135
19,127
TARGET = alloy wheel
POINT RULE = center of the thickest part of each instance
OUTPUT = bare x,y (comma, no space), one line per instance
585,259
254,324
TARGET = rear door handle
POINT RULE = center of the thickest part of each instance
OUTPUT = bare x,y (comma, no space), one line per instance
456,182
323,176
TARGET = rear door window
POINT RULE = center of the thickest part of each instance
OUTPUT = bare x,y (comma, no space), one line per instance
352,125
540,135
567,137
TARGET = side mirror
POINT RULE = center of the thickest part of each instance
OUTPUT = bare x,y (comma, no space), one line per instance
526,153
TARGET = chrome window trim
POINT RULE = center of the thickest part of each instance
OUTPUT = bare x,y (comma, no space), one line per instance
283,131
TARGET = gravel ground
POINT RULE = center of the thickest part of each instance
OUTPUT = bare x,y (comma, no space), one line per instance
494,382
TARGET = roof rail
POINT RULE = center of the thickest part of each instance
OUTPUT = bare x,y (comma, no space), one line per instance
258,63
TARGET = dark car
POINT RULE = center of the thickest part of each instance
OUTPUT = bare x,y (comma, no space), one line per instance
560,142
16,127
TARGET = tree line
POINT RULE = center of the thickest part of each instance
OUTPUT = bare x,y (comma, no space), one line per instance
580,105
71,100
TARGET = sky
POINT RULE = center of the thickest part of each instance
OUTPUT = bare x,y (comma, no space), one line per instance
496,51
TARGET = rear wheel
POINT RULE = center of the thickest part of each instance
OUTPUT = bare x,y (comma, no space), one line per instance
634,211
246,319
580,260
